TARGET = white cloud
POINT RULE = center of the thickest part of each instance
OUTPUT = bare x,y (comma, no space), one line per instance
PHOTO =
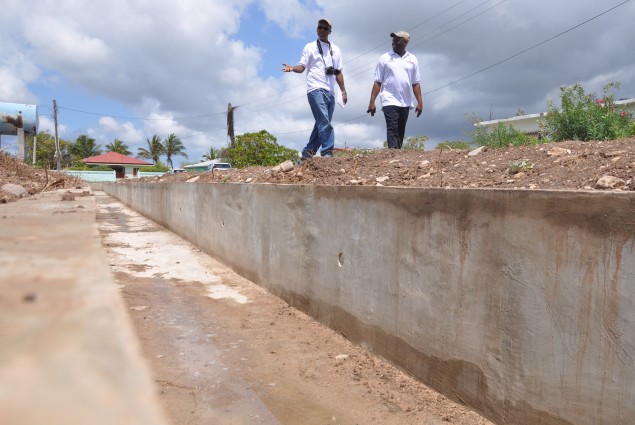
64,43
14,89
110,129
175,60
291,15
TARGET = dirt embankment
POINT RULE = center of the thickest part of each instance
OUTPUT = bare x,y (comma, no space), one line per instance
557,166
568,165
18,179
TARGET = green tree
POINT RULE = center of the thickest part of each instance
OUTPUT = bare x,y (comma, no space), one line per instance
84,147
45,151
153,151
118,146
259,148
583,116
212,154
173,146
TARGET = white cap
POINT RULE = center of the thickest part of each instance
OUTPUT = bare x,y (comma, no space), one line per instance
327,21
401,34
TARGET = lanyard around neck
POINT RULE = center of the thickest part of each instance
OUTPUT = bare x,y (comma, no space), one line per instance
320,49
322,53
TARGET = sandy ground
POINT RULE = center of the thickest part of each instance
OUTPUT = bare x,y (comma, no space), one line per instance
222,350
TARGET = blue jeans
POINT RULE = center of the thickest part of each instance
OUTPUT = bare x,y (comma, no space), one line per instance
322,104
396,118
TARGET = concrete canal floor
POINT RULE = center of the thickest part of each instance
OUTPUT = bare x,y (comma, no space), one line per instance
222,350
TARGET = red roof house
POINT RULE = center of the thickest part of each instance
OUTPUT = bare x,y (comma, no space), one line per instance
124,166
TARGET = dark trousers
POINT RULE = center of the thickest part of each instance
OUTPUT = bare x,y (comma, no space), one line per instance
396,118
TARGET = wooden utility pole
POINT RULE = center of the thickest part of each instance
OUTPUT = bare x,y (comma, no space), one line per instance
230,123
57,139
34,147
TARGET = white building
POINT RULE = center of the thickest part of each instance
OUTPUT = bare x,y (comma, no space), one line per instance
530,123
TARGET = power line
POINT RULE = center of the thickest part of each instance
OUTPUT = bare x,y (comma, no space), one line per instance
365,68
416,26
360,70
334,124
270,102
265,105
528,49
201,133
142,119
506,59
458,25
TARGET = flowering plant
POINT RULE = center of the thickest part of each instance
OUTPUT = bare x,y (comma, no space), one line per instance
585,117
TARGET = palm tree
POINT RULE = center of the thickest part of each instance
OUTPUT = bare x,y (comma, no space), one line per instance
118,146
154,150
173,146
212,154
85,147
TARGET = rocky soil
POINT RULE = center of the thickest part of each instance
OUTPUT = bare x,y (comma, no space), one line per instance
568,165
571,165
19,180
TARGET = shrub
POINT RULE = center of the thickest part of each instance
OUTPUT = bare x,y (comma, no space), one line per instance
159,167
258,149
518,166
80,166
501,136
416,143
585,117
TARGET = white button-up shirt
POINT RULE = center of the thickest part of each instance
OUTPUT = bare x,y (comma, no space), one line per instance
397,74
316,64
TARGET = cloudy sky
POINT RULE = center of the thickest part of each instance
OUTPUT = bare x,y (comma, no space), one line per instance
131,69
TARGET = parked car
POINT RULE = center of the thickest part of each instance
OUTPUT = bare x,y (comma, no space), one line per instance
219,166
177,170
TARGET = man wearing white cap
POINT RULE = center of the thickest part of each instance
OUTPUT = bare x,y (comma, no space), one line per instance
323,62
397,79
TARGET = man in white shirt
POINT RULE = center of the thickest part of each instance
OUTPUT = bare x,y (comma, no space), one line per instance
323,62
397,79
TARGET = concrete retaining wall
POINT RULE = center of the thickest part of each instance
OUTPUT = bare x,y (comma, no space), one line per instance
517,303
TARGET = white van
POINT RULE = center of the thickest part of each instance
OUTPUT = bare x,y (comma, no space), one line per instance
219,166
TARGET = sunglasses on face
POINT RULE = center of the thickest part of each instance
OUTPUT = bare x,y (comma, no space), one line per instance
320,27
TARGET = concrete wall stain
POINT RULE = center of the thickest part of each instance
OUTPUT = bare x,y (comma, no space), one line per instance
512,302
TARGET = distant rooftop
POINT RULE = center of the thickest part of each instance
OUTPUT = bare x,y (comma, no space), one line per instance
114,158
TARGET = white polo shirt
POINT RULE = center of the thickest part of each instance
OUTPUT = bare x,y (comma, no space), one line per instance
397,74
311,59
